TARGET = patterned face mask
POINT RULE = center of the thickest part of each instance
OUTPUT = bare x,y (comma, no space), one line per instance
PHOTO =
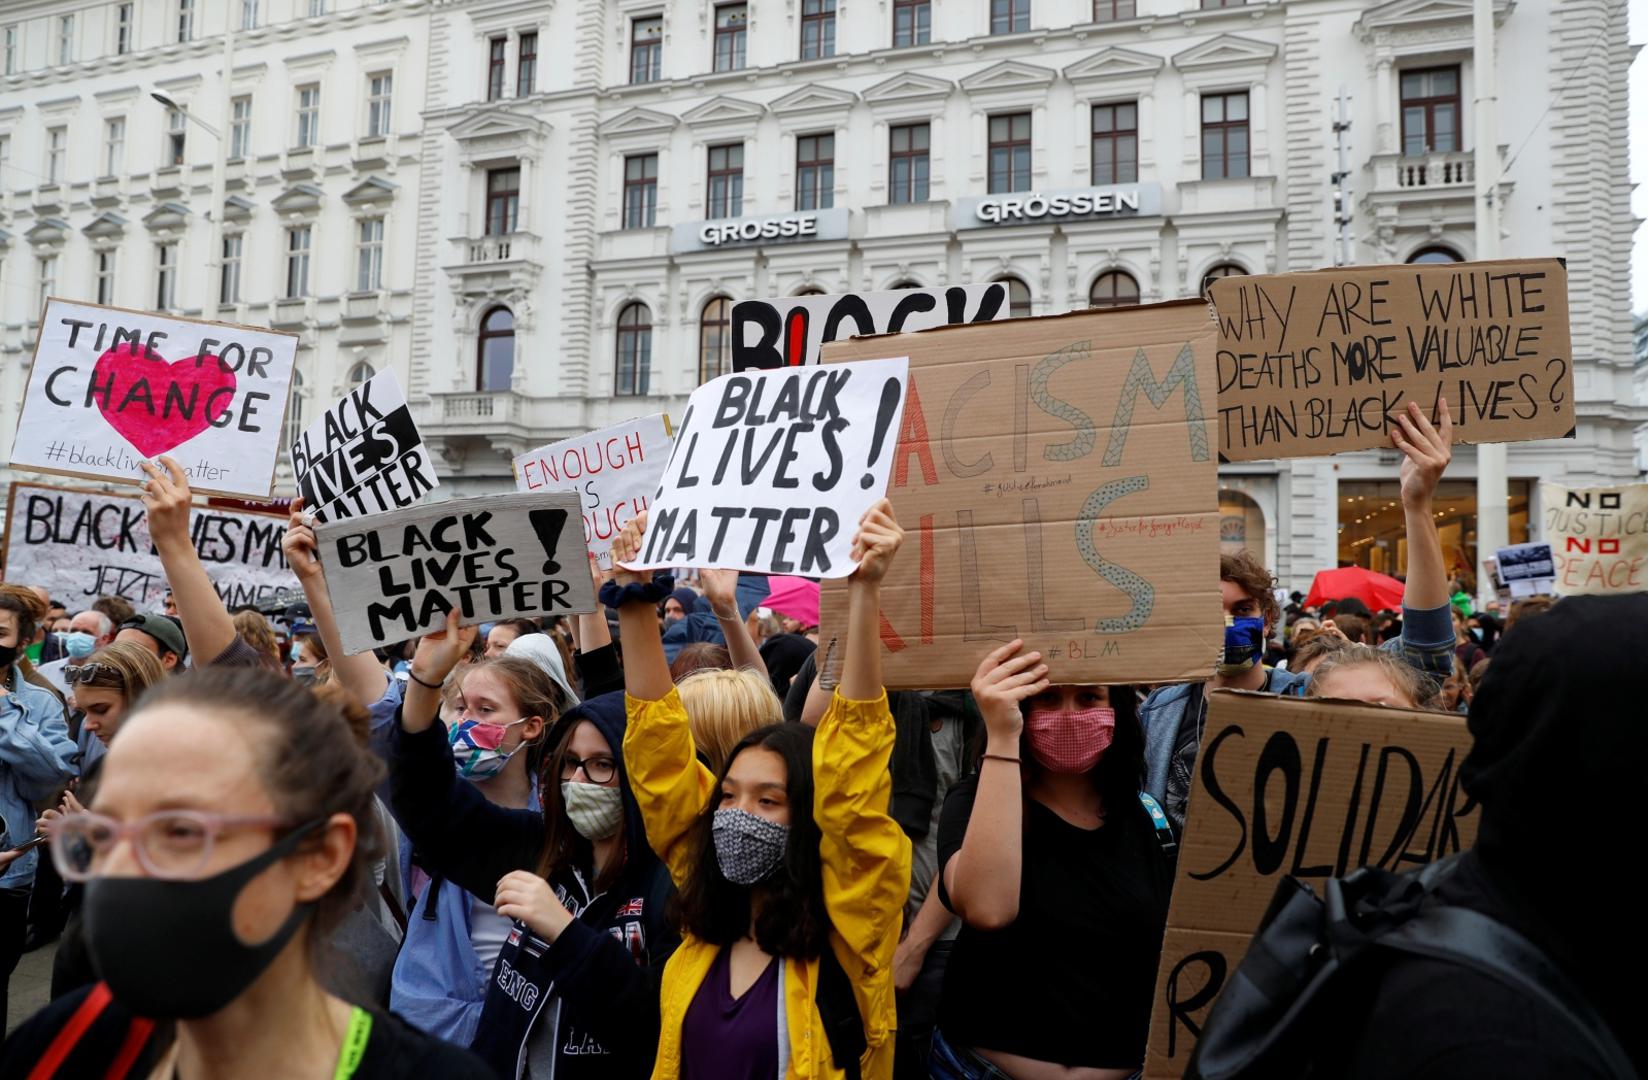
1070,740
475,747
595,810
1244,644
748,848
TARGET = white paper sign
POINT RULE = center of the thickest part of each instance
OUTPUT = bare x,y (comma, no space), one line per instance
364,455
615,471
771,470
789,331
111,388
395,576
1598,537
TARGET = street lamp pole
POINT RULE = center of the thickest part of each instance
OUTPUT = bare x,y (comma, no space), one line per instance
1492,485
220,163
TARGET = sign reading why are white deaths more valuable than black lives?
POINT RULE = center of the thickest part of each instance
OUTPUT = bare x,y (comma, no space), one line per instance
789,331
771,470
364,455
111,388
394,576
615,471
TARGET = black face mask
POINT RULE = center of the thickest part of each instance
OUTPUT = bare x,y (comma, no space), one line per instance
8,655
168,949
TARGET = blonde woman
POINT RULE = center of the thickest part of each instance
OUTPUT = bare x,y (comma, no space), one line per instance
105,686
723,707
252,628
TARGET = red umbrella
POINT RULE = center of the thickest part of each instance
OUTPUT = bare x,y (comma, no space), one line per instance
1379,592
795,597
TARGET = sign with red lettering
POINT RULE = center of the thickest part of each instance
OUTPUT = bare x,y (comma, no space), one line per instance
789,331
615,471
110,388
1598,538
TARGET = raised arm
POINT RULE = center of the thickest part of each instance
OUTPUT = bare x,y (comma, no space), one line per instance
1427,638
721,587
591,630
437,655
878,540
646,672
206,623
361,675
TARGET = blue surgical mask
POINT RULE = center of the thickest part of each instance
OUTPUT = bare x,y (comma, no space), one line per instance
77,644
297,652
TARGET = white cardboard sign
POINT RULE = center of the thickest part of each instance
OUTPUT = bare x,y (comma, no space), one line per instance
364,455
789,331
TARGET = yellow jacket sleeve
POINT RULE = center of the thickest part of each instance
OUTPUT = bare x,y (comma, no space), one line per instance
669,782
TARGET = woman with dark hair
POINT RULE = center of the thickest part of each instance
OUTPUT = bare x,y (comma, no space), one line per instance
792,874
1061,870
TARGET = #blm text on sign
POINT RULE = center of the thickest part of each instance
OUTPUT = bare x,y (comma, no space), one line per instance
1319,363
110,388
1306,787
1056,479
395,576
789,331
364,455
1598,538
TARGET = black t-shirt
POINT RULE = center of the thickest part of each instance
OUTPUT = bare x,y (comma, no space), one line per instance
1071,980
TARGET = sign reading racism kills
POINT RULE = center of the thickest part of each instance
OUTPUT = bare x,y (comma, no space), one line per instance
789,331
1318,363
364,455
615,471
395,576
771,470
1056,477
1301,786
111,388
1598,538
84,544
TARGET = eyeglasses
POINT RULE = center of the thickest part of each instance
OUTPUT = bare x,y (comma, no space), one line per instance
85,673
599,770
172,844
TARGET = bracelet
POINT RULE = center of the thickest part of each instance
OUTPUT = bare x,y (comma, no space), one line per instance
615,596
413,675
1002,757
734,617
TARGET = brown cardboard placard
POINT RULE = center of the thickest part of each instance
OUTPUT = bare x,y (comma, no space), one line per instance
1055,477
1309,787
1319,363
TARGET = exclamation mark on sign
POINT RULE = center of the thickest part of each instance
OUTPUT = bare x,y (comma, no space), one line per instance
548,525
884,420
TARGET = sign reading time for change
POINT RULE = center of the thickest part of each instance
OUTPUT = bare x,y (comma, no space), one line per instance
111,388
364,455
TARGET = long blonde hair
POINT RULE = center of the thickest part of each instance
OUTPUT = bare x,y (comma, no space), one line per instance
255,631
124,666
724,706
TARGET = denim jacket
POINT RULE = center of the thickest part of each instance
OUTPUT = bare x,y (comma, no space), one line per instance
36,758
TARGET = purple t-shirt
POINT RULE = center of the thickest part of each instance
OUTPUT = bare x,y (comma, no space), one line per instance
727,1038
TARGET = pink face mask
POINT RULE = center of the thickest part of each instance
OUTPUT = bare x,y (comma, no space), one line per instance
1070,741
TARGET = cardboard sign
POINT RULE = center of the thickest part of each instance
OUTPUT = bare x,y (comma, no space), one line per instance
80,545
1527,569
1311,788
771,470
395,576
615,471
364,455
1319,363
1598,538
111,388
789,331
1056,479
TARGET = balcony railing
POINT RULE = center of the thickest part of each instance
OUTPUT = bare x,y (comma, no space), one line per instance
496,406
1436,170
491,249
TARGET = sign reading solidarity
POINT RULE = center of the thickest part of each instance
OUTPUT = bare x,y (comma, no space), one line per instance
1301,786
395,576
789,331
615,471
771,470
1056,477
111,388
364,455
1598,538
1318,363
84,544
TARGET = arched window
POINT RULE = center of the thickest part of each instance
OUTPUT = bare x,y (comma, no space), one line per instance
634,349
294,415
1113,289
495,355
1220,270
907,284
810,290
715,339
1435,253
1241,524
1018,296
360,373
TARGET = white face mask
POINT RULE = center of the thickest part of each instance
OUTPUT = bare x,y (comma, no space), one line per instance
596,812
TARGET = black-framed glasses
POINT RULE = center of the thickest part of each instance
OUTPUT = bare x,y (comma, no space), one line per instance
85,673
599,770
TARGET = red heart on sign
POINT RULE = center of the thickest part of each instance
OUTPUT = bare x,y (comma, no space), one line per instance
155,405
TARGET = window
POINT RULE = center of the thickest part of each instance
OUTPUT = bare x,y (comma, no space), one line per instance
360,373
297,261
248,14
185,20
65,39
5,157
1220,270
165,276
47,267
11,50
815,172
114,145
503,201
308,116
1435,254
317,8
105,277
1116,143
907,163
177,131
526,65
1114,10
292,430
640,191
912,22
228,288
122,29
1010,152
730,23
495,354
1009,16
1224,136
57,145
369,256
1430,111
726,181
634,348
817,29
240,128
495,64
715,339
379,96
1018,297
1112,289
646,49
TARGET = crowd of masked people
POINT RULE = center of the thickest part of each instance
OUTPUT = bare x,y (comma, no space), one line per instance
679,837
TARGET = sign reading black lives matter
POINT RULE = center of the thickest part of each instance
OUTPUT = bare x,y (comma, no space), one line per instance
111,388
789,331
364,455
771,470
395,576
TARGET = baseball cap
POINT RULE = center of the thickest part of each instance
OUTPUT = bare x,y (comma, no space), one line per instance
163,628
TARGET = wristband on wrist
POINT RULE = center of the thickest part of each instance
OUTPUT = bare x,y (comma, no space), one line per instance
413,675
615,596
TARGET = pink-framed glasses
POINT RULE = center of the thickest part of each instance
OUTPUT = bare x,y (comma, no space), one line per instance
172,844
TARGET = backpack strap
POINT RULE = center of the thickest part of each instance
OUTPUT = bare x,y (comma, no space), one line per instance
1158,820
843,1026
70,1034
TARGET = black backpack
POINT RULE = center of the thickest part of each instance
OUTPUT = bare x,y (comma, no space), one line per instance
1310,949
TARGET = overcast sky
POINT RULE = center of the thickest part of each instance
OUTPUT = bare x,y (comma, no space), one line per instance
1639,155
